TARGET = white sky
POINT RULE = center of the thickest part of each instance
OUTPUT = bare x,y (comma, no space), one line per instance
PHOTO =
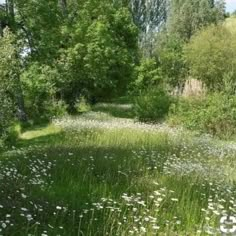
230,4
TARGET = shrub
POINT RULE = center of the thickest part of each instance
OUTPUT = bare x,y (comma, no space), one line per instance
6,116
152,105
56,108
40,92
14,132
169,54
214,114
211,56
147,74
82,106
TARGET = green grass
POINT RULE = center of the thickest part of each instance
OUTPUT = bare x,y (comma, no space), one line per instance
115,181
39,132
115,110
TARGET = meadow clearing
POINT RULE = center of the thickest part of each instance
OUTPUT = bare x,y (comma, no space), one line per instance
102,173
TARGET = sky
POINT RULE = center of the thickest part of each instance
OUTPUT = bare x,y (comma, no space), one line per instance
230,5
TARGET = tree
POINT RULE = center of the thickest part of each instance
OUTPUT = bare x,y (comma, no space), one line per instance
211,55
63,4
148,76
187,17
39,26
9,69
101,52
149,16
88,47
169,54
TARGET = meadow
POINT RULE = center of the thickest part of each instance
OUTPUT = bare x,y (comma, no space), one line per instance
104,173
117,118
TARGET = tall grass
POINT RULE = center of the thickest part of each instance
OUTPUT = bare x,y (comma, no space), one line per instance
113,180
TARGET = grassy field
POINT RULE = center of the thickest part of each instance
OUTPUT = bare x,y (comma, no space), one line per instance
99,174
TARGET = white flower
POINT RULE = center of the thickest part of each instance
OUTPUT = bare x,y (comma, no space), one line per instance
155,227
143,230
174,199
23,195
4,225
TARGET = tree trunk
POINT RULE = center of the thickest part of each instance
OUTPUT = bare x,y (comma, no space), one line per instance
10,9
63,5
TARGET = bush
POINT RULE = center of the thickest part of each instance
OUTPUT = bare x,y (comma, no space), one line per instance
211,56
14,132
147,74
56,108
152,105
169,54
82,105
6,116
214,114
40,93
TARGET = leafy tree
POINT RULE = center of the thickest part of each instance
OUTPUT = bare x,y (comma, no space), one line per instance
149,16
101,54
39,25
40,91
92,44
169,54
9,69
186,17
148,75
211,55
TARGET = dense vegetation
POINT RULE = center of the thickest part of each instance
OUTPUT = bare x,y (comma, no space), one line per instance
116,117
66,52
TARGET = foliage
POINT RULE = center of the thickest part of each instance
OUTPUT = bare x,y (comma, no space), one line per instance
55,108
211,55
13,134
187,17
40,92
214,114
9,69
82,105
91,44
152,105
147,74
100,57
148,15
39,25
169,54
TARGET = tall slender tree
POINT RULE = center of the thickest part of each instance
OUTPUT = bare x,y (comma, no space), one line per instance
12,24
187,17
63,5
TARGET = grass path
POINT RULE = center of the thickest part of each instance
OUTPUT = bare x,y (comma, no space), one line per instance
102,173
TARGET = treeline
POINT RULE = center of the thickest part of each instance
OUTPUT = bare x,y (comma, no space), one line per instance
197,44
56,53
